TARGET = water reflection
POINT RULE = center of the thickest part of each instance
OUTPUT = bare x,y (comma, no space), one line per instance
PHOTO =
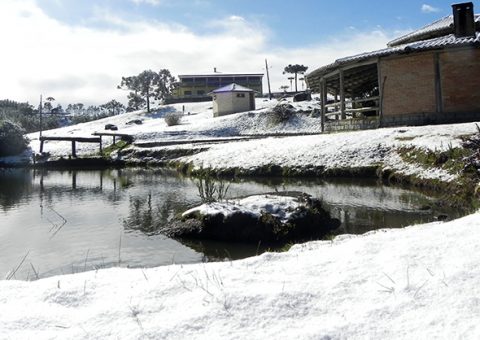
80,220
146,217
14,185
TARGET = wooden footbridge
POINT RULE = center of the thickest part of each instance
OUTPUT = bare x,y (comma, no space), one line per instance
96,139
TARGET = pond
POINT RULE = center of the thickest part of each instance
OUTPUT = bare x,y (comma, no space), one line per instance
61,222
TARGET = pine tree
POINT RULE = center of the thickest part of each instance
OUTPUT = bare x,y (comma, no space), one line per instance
295,69
146,86
113,107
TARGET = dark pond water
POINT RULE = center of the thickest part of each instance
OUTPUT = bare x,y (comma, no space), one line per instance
71,221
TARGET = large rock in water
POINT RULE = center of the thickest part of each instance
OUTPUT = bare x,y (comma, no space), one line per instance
267,218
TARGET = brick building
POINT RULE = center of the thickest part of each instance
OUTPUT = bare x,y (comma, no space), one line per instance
429,76
196,87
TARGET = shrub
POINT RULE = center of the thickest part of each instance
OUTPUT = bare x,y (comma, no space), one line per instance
12,140
280,113
173,118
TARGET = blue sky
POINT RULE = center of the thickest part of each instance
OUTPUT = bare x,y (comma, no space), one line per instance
291,23
78,50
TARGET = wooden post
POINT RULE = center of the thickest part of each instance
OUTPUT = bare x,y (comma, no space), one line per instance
323,93
381,92
100,144
74,151
354,106
342,96
41,145
336,102
438,84
113,140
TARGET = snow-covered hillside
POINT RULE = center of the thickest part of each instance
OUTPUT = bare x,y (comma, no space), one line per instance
340,150
197,123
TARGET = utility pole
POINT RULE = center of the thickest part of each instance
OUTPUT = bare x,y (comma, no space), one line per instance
41,118
268,80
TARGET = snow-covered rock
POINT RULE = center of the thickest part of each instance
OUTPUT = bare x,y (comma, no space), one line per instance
259,218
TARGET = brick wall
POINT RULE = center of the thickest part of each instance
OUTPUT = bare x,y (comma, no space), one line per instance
460,79
410,84
351,124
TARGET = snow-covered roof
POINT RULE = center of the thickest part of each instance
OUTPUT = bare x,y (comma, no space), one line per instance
441,27
444,41
232,88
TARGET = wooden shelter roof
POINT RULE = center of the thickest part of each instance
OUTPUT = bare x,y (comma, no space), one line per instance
447,41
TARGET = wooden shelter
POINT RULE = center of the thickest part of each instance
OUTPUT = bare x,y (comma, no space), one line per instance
431,75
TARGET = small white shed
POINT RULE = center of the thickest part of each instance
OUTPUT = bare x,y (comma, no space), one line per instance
231,99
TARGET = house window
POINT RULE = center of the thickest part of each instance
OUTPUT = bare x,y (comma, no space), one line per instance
241,95
186,81
200,92
188,93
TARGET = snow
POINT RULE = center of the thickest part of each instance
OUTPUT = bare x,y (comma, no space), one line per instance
416,282
336,150
281,207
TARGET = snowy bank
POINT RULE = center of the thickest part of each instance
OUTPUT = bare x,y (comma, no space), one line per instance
417,282
308,154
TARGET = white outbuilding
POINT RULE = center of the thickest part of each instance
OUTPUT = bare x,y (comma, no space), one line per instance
231,99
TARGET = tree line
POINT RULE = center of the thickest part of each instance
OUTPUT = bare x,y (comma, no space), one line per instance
143,88
27,116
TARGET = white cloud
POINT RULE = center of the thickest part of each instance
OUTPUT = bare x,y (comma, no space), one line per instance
429,9
81,64
148,2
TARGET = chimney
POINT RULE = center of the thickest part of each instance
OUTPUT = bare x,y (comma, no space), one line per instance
463,20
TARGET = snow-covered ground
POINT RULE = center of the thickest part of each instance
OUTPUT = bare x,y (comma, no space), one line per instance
197,123
339,150
415,283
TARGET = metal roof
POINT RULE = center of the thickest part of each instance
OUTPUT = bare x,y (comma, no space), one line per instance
232,88
221,75
441,27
